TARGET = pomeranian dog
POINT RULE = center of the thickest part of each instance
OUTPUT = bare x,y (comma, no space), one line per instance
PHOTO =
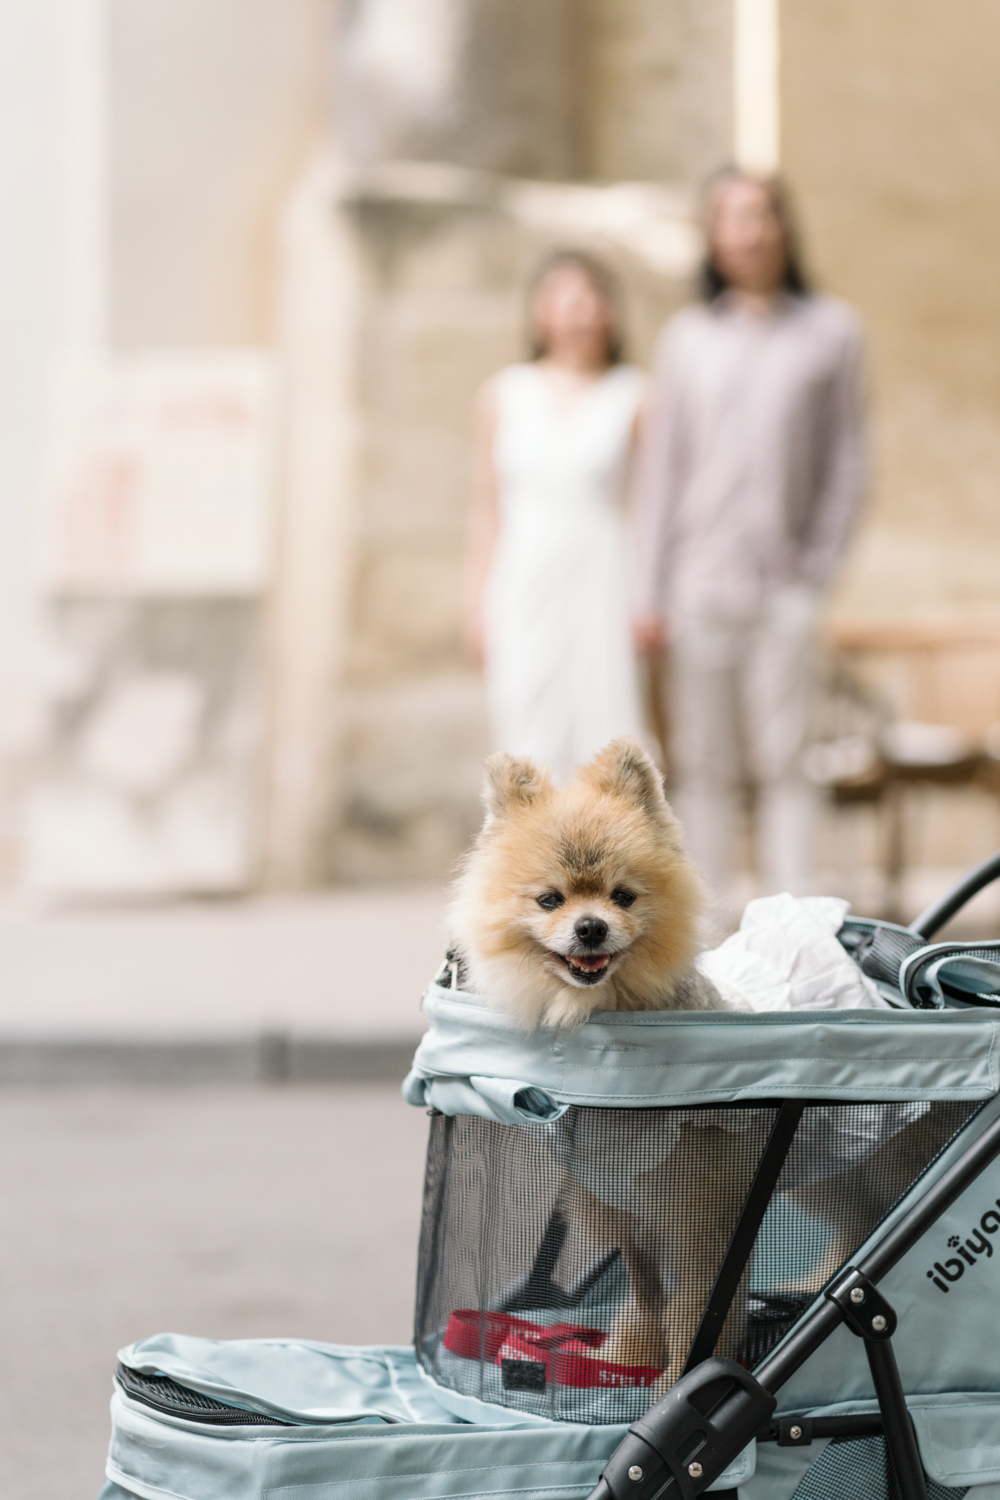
580,898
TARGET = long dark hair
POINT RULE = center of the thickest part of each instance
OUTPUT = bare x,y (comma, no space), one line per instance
711,281
601,279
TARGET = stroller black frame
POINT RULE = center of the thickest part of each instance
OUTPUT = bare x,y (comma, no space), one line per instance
690,1437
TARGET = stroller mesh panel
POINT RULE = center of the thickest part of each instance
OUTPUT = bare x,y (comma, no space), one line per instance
564,1267
853,1467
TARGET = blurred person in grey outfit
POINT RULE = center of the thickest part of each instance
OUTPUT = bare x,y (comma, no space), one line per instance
750,476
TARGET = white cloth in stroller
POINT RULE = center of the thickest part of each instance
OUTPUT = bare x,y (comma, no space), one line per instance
786,956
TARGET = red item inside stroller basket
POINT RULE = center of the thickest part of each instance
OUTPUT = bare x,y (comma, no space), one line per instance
519,1347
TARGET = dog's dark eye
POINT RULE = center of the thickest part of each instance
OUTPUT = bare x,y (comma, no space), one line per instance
622,897
551,900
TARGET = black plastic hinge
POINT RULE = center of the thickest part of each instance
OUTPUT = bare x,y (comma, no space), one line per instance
690,1437
863,1308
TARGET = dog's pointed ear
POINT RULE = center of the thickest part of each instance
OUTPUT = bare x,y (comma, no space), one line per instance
625,770
512,781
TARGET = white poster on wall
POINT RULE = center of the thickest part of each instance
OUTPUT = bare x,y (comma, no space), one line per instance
161,475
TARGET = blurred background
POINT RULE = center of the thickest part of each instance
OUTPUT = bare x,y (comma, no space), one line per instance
255,258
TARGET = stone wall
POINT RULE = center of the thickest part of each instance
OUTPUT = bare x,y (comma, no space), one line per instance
890,120
656,89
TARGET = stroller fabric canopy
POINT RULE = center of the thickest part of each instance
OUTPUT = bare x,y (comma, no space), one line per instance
473,1060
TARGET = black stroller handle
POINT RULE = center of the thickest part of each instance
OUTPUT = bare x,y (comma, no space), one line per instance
941,911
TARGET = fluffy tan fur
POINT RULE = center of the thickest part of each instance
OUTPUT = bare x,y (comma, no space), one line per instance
548,858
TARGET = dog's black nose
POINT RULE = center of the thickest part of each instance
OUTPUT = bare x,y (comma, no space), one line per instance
591,931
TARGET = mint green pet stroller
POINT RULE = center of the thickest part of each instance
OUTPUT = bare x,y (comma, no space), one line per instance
662,1254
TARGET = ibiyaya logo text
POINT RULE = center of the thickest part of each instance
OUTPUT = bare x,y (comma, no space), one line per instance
977,1244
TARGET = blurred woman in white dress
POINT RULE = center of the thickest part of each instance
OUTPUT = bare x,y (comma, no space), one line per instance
548,613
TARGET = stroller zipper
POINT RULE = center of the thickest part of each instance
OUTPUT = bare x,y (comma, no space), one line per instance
165,1395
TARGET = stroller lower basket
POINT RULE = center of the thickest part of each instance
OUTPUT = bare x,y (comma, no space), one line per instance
859,1466
565,1266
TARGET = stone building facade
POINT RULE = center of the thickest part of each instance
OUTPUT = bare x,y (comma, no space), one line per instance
363,187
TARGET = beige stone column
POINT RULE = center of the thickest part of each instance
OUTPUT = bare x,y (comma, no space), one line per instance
318,318
756,58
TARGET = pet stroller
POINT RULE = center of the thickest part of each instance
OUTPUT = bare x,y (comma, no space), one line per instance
660,1254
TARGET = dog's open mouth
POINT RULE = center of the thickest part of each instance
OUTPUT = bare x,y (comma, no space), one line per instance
588,967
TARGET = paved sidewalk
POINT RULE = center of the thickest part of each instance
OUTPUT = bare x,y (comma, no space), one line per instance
316,986
227,1213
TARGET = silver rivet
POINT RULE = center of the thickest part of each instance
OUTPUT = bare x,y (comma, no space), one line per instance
795,1433
878,1323
857,1294
635,1473
695,1470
